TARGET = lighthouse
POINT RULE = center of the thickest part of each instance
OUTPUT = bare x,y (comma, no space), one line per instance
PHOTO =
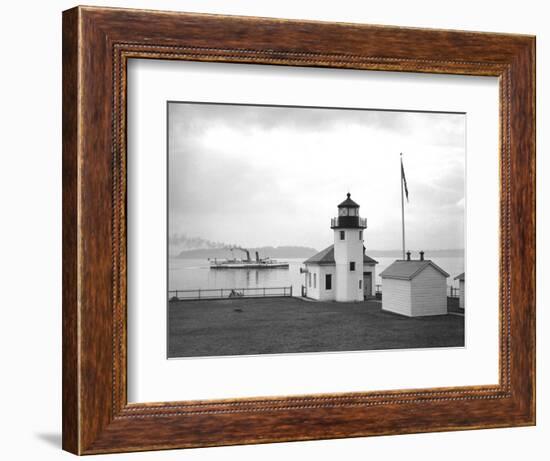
342,272
348,229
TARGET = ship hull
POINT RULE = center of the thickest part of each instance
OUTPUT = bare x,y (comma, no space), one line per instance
249,266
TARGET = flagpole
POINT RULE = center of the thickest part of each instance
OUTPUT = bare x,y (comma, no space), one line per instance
402,206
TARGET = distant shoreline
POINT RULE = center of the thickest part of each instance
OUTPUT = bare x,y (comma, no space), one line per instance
264,252
300,252
414,252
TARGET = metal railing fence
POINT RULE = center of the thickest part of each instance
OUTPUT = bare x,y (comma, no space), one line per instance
225,293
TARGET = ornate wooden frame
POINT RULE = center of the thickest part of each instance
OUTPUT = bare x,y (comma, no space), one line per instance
97,43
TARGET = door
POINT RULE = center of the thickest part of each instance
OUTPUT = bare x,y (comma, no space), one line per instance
367,284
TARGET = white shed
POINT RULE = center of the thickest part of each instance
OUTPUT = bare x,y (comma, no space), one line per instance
461,288
414,288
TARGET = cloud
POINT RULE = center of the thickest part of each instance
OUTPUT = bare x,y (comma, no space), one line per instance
258,175
197,117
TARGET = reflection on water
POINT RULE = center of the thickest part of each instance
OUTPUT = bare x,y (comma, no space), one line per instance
191,274
188,274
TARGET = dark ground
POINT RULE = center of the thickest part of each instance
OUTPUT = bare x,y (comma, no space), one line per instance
290,325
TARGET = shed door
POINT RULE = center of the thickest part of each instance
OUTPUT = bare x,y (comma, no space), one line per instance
367,284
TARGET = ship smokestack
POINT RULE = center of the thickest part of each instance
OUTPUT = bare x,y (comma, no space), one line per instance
257,257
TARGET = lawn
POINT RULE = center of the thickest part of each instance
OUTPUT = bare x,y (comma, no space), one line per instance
291,325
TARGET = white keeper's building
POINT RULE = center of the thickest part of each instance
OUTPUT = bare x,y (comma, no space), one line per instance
342,272
414,287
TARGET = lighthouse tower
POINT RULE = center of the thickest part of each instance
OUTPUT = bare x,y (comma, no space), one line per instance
348,251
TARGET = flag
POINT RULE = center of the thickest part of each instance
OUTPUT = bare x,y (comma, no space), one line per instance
404,179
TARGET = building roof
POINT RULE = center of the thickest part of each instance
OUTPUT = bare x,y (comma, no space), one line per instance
326,258
461,277
407,270
348,203
368,260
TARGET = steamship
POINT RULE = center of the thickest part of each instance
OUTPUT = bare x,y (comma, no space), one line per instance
248,263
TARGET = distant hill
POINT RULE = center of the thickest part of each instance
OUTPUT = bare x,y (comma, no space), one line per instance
414,253
273,252
187,247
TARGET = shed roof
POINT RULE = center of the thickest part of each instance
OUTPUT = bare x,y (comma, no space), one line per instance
326,257
407,270
348,203
461,277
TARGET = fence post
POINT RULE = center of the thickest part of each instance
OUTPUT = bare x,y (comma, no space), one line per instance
291,291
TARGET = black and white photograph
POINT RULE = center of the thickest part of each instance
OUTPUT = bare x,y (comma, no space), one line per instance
298,229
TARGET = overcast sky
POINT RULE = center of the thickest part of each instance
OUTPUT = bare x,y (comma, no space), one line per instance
271,176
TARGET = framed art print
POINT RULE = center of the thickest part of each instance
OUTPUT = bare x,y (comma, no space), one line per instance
282,230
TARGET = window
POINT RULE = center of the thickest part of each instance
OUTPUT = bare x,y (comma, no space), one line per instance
314,280
328,282
360,235
342,235
352,266
353,212
360,284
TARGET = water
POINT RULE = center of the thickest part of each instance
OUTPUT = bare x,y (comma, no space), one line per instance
192,274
